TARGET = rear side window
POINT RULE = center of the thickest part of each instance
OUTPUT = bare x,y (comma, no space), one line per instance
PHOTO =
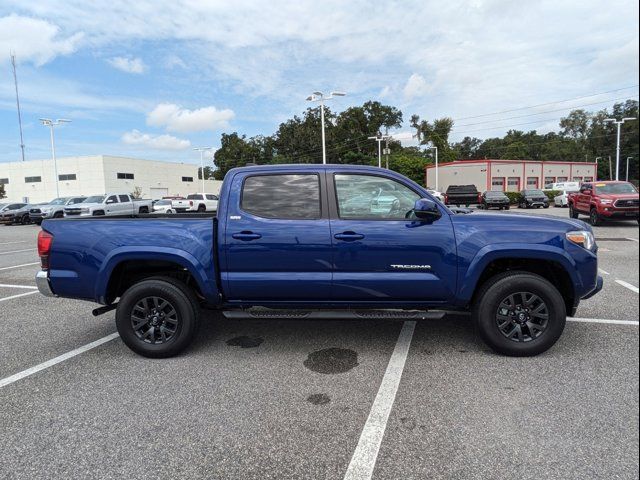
288,196
123,198
212,197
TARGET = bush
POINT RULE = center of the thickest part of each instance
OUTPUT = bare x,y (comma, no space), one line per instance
514,197
551,194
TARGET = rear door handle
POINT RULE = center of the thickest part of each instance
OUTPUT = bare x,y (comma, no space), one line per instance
348,236
246,236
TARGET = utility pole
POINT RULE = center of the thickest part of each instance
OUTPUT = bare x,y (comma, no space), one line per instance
596,175
386,152
610,169
202,150
321,97
436,150
47,122
15,82
627,176
618,124
381,138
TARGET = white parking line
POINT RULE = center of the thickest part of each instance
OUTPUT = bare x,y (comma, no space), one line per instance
17,296
13,243
19,266
627,285
28,287
604,272
19,251
49,363
632,239
366,454
603,320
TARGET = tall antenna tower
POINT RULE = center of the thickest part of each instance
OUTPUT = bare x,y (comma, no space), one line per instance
15,81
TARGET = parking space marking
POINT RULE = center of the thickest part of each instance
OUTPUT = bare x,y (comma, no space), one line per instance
633,239
603,320
364,458
17,296
18,251
604,272
13,243
54,361
19,266
627,285
28,287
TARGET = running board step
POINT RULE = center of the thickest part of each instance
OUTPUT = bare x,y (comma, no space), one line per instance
262,313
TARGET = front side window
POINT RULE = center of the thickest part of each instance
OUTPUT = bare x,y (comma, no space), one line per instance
212,197
123,198
286,196
371,197
112,199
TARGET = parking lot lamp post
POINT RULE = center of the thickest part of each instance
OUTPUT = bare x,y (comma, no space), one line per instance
596,175
436,150
47,122
202,150
618,124
627,175
321,97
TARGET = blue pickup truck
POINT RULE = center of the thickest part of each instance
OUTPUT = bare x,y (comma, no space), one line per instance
317,241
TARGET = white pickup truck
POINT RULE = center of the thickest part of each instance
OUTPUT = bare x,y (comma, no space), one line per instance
196,202
109,204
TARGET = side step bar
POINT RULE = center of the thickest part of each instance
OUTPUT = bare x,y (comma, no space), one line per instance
262,313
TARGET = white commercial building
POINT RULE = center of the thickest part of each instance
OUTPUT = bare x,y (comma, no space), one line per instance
35,181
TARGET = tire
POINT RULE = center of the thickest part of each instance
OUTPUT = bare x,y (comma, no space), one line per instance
202,209
143,210
527,342
546,206
58,215
182,310
594,219
507,207
25,220
572,212
169,211
98,213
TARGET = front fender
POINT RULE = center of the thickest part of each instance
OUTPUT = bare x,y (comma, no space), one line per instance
204,279
469,279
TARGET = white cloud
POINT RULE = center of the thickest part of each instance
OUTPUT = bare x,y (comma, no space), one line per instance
34,40
178,119
174,61
156,142
416,86
129,65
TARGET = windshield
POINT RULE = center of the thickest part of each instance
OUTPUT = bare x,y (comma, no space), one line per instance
534,192
495,194
94,199
58,201
615,188
163,202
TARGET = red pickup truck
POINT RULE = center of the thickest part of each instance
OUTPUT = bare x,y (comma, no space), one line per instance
605,200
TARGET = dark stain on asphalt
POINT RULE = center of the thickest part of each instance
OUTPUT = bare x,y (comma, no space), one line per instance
408,423
245,342
332,360
319,399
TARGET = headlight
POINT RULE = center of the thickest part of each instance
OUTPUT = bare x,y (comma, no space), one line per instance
606,202
583,238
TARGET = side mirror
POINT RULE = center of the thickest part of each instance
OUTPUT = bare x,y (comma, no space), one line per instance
426,209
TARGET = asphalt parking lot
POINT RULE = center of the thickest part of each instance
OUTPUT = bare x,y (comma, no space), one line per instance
308,399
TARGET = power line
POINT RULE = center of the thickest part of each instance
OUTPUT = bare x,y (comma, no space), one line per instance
15,81
547,103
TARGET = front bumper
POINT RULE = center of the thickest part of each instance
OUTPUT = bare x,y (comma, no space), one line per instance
613,212
43,284
599,283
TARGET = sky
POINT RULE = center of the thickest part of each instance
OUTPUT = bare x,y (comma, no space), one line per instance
154,79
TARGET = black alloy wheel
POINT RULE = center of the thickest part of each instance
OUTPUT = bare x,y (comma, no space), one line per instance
522,316
154,320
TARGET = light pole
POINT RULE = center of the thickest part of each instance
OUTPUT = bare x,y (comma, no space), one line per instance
596,175
202,150
627,175
47,122
436,149
619,124
321,97
379,138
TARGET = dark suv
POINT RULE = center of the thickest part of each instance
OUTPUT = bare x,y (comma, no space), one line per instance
491,199
533,199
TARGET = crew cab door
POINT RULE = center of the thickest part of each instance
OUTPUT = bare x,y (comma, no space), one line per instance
125,205
111,205
379,255
276,233
584,197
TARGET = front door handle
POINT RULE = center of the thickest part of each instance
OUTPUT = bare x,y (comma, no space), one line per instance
348,236
246,236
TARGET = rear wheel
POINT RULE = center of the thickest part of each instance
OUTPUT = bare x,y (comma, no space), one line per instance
519,314
157,317
572,211
202,209
507,207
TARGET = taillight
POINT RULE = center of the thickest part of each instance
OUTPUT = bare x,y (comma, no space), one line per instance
45,239
191,203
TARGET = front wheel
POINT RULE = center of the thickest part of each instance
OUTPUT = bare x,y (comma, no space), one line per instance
157,317
519,314
572,211
595,219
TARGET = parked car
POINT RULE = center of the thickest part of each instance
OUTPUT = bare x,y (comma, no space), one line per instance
533,199
197,202
281,248
162,206
571,186
462,195
436,194
53,209
5,207
494,199
108,205
17,215
562,200
605,200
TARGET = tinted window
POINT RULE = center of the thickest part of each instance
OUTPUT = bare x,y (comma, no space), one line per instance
194,197
113,199
212,197
187,179
32,179
67,176
77,200
371,197
125,176
282,196
94,199
123,198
